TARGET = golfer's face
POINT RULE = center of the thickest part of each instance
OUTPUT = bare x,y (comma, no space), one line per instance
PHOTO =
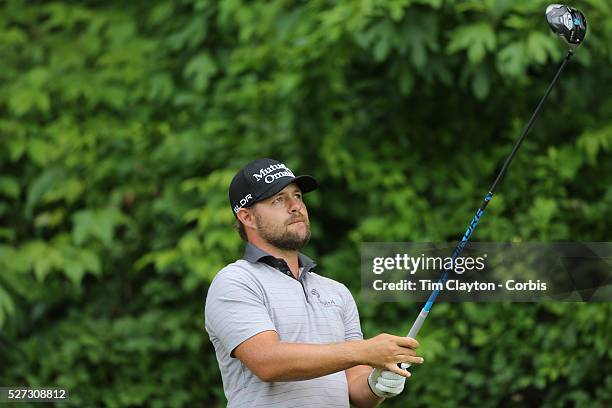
283,217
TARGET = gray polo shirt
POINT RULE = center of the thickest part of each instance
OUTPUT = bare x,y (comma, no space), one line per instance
259,293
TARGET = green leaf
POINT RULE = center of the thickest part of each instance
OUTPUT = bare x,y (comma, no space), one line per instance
382,48
543,210
200,69
25,100
481,85
44,258
9,187
49,218
90,261
45,182
539,46
70,189
477,39
406,82
96,224
511,60
7,306
74,271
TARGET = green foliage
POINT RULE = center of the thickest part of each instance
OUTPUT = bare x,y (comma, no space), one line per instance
123,123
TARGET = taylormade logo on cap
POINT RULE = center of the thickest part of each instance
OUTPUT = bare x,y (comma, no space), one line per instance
264,174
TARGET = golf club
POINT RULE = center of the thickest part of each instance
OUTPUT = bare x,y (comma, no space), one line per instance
570,25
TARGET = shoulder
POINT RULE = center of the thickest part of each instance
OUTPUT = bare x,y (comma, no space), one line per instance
238,268
238,282
241,274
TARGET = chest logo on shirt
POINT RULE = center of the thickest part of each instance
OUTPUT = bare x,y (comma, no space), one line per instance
324,302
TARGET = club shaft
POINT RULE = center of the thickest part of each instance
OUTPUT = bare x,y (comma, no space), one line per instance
529,124
416,326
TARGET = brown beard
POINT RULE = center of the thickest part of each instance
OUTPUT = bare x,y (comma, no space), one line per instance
282,238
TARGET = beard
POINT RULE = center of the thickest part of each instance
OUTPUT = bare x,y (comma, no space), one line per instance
280,236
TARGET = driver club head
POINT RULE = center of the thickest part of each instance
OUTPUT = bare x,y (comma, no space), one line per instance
568,23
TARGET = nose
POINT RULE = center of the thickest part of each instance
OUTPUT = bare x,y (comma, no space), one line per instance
295,205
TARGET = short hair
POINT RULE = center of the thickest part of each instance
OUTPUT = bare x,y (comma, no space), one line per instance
241,231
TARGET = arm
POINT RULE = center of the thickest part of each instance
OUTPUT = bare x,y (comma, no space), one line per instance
360,394
272,360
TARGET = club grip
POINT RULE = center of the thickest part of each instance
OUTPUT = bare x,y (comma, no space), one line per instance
416,326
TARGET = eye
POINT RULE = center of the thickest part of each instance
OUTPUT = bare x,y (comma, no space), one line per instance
298,196
278,200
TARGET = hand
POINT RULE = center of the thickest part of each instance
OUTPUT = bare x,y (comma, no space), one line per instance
386,384
385,351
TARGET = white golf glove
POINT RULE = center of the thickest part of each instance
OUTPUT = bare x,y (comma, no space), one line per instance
385,383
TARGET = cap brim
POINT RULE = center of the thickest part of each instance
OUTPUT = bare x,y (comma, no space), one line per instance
306,183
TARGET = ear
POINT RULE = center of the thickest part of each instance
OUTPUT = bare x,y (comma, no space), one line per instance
246,217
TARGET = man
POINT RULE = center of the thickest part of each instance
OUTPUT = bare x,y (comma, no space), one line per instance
285,336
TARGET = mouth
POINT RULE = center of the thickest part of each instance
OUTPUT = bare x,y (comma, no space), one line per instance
296,222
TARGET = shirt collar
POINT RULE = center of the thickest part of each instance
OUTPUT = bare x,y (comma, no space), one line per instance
254,254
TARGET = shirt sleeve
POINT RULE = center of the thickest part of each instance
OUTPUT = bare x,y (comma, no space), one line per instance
352,325
235,310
